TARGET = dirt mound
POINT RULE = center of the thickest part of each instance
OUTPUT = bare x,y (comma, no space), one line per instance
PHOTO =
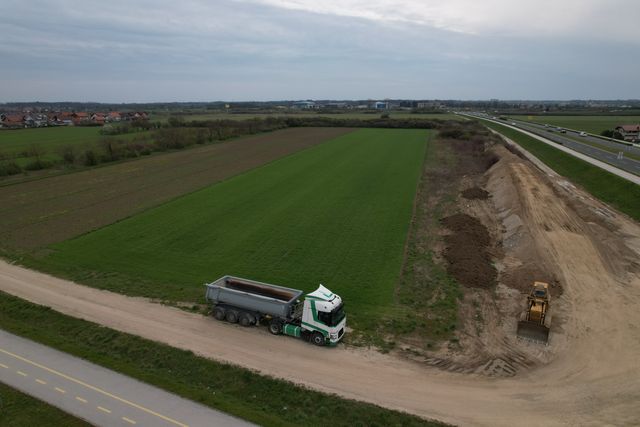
475,193
467,253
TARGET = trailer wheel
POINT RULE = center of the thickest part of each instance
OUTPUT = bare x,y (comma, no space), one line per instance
246,319
317,338
219,313
232,316
275,327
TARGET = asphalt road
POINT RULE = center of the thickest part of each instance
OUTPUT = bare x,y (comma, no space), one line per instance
98,395
625,167
569,140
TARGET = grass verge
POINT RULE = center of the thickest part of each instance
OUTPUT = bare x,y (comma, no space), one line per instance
611,189
21,410
241,392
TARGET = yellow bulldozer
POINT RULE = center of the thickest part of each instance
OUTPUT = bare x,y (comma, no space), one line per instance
535,322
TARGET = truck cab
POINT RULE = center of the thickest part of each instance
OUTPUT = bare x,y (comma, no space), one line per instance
323,316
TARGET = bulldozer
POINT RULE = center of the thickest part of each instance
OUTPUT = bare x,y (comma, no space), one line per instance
535,321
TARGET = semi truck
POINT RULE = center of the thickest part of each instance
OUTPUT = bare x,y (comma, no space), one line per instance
317,317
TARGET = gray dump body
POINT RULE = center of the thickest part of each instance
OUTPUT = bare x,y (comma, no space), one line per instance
250,295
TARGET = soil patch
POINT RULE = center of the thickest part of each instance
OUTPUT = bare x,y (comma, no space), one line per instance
467,252
475,193
49,210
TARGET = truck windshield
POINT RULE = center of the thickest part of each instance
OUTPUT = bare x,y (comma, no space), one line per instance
334,317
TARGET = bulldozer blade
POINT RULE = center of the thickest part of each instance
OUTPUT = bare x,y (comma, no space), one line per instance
533,331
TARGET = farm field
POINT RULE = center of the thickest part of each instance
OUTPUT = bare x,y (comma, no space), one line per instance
355,115
40,212
51,140
592,124
337,214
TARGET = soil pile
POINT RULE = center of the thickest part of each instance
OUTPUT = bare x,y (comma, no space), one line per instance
475,193
467,252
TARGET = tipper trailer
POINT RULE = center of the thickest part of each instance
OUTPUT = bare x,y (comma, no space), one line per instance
318,318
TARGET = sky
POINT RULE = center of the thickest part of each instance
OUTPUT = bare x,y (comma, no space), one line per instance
260,50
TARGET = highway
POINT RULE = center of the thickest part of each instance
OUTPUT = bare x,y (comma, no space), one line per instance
100,396
623,166
609,151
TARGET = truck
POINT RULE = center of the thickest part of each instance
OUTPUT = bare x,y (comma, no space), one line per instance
317,317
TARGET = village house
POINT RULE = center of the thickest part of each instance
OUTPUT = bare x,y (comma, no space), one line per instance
12,121
629,132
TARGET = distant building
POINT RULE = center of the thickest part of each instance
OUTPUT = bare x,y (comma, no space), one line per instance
12,121
304,104
380,105
629,132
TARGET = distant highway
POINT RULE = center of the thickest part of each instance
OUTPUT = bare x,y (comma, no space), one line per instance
95,394
623,166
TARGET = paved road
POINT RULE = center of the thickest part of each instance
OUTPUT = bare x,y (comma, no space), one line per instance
625,168
95,394
587,147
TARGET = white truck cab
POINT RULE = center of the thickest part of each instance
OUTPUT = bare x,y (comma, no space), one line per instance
323,316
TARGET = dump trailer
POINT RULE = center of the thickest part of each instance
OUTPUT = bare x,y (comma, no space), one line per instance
535,321
317,317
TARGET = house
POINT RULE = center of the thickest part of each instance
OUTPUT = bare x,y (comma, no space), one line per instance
114,116
98,118
12,121
629,132
80,118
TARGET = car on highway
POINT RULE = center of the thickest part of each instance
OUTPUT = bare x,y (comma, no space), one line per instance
583,134
513,123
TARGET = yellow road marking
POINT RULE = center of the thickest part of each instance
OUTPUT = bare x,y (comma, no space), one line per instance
81,399
2,365
130,421
21,373
106,393
58,389
104,409
41,382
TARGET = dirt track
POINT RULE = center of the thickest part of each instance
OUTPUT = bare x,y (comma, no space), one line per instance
589,375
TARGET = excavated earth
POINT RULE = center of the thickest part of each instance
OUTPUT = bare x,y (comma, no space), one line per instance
541,228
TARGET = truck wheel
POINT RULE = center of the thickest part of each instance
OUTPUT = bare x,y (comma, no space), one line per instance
317,338
232,316
275,327
219,313
245,319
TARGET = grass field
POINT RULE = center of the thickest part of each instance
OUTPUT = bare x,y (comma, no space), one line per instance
241,392
50,140
56,208
607,187
20,410
336,214
349,115
592,124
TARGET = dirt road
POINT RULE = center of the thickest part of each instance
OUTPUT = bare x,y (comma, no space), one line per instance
589,376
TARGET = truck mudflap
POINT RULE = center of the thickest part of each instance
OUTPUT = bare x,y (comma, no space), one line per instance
533,331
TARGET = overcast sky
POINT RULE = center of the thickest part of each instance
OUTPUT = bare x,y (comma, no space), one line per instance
240,50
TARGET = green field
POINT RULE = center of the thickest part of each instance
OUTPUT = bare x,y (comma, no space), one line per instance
349,115
610,188
592,124
50,140
20,410
336,214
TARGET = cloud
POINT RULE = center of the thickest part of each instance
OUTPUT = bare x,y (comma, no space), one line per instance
604,19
